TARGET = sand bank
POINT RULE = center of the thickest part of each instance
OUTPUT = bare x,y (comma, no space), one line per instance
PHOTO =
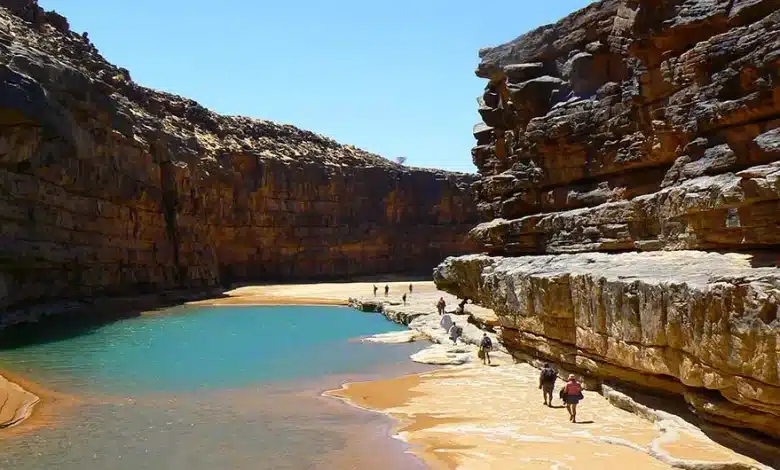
328,293
26,405
16,403
476,417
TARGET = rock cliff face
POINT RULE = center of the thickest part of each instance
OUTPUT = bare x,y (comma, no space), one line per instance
107,187
637,128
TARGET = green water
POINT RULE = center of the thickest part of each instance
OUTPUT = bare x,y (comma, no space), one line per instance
208,388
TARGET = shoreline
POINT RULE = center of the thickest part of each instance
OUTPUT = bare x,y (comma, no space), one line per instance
40,404
400,425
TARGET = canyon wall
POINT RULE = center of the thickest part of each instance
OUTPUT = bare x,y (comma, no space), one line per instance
110,188
630,168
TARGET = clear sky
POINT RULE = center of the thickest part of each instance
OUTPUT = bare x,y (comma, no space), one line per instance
392,77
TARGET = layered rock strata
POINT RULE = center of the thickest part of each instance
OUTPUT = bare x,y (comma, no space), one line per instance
702,325
634,125
108,188
625,132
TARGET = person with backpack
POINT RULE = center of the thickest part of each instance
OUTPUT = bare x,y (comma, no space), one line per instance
572,394
440,305
455,332
484,348
547,379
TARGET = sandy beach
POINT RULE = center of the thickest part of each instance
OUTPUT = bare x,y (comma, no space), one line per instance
329,293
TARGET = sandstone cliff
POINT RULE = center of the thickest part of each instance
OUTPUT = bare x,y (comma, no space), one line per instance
107,187
638,128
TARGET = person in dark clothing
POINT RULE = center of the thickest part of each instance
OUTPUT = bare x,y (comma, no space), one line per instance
547,379
375,289
404,298
462,306
485,346
440,305
387,289
411,288
455,333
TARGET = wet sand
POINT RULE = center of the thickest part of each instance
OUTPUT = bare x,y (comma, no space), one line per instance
476,417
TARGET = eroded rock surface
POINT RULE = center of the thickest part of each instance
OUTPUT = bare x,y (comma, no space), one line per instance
686,322
637,128
107,187
640,124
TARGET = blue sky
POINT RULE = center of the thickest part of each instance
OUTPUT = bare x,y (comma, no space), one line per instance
392,77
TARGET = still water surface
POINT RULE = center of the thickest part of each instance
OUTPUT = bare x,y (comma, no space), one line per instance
212,388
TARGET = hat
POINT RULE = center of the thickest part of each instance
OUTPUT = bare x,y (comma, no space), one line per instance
572,377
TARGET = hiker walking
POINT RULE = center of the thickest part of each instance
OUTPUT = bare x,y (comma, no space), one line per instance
440,305
404,298
485,346
375,289
462,306
572,394
547,379
455,332
387,289
410,288
446,322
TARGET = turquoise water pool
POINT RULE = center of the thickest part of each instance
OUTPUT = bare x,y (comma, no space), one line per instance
210,388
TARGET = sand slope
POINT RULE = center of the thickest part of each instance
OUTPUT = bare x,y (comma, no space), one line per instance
16,403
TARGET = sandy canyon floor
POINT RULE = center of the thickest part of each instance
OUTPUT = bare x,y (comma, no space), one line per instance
472,416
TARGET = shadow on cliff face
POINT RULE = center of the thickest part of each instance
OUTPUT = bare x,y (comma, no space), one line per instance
90,317
58,328
765,258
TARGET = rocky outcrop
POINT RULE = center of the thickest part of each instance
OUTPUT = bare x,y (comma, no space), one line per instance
626,132
634,125
686,322
110,188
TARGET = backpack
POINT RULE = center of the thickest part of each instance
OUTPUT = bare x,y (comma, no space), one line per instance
487,343
574,389
549,375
